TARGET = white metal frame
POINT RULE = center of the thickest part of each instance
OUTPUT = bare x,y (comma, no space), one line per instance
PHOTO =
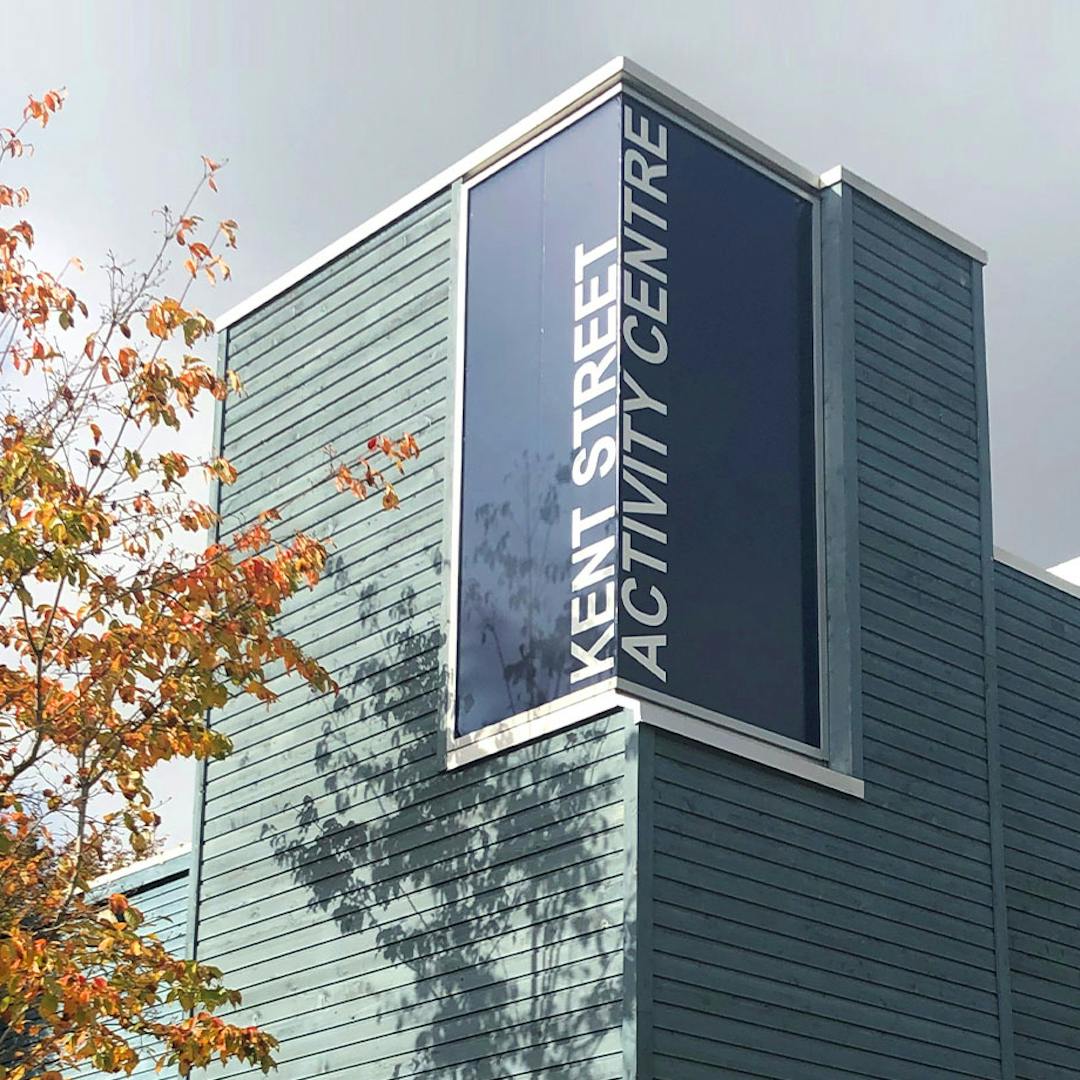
733,737
570,708
643,704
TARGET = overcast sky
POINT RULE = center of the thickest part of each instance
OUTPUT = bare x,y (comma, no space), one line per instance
329,111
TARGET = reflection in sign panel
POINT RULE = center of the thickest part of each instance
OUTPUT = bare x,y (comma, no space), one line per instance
539,457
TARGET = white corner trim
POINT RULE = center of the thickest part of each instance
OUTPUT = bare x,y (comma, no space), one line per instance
839,174
1009,559
730,736
724,737
567,711
144,864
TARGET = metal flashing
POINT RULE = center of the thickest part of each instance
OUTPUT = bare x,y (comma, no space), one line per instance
136,874
751,747
505,143
1015,562
587,704
616,72
730,736
842,175
635,76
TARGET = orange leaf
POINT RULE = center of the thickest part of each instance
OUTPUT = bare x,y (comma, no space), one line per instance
125,360
155,322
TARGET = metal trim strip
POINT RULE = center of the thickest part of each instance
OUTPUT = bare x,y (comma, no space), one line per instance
615,72
1015,562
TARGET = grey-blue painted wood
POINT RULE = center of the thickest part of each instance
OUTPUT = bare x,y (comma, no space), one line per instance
614,901
384,916
1040,773
894,893
160,889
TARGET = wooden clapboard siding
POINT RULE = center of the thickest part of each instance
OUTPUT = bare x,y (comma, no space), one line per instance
796,931
383,917
389,919
160,890
1039,676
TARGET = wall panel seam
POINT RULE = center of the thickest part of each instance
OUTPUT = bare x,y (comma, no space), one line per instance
199,810
993,747
638,949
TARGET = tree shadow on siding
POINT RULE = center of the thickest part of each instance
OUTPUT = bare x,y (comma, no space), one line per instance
465,924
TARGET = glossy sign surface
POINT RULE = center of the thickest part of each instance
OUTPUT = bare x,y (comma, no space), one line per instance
638,470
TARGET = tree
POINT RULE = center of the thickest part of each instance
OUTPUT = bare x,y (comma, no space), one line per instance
115,638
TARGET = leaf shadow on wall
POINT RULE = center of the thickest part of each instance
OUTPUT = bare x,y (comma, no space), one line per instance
465,924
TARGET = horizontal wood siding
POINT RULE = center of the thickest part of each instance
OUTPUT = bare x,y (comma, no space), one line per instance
382,917
160,892
1039,678
801,933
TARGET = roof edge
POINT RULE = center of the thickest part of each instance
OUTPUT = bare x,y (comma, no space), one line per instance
616,71
1015,562
153,862
693,110
840,174
582,91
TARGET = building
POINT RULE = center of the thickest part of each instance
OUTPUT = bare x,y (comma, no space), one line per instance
690,726
159,888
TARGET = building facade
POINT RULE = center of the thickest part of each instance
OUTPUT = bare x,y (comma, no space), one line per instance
159,887
688,725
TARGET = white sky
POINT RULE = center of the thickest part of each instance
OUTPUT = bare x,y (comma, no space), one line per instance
329,111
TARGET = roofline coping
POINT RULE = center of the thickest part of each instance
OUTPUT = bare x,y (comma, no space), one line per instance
1015,562
144,864
840,174
620,70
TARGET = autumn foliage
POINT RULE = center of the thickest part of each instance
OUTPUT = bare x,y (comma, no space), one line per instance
116,639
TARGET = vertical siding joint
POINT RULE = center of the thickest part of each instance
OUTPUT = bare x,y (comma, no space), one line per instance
637,901
993,745
191,937
843,644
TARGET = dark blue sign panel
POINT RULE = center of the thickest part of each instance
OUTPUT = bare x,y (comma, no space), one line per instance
537,557
718,579
638,470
